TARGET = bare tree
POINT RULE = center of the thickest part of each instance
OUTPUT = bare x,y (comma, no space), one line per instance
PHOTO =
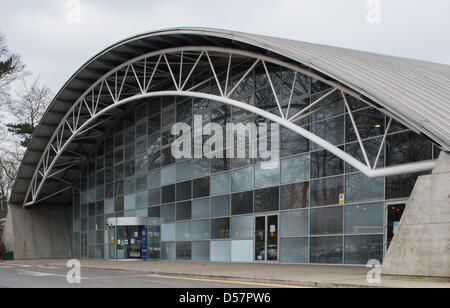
28,109
24,112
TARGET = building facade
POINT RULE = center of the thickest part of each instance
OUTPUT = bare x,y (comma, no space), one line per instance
349,151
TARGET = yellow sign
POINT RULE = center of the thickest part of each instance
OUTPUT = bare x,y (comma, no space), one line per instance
341,199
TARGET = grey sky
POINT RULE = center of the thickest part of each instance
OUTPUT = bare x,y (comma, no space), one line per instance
55,49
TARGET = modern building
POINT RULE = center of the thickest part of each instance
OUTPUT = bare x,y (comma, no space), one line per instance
357,129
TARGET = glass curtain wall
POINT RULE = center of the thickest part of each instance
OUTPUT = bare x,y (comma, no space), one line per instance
204,210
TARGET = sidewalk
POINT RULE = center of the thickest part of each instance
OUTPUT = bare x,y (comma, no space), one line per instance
303,275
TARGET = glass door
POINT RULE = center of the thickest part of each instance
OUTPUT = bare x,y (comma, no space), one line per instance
394,213
128,242
266,238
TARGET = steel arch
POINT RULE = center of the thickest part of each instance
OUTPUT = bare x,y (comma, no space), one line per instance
58,142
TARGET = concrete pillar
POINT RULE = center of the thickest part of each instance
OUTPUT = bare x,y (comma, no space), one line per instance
39,232
421,245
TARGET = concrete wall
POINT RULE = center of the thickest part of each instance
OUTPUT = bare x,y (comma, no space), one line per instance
38,232
421,245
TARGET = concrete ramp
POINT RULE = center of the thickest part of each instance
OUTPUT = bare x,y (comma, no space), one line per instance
421,245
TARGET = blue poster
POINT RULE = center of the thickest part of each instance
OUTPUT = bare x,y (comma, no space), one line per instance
144,244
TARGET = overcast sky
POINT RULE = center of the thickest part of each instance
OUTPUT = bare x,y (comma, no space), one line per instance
39,30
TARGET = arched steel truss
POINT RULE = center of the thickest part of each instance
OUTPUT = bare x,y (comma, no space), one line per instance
86,111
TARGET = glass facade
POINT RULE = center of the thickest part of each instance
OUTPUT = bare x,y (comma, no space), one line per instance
205,209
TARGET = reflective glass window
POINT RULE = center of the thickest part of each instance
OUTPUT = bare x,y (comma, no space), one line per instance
220,206
326,250
295,169
242,179
327,220
326,191
267,200
366,218
294,196
294,223
242,203
200,208
220,228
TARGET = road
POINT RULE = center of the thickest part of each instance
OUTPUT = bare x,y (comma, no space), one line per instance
26,276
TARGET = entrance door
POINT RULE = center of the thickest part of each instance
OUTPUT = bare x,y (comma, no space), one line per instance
266,238
394,213
129,242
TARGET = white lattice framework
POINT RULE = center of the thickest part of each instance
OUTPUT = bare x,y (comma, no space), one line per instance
171,72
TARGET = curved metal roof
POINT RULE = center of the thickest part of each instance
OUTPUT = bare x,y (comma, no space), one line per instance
415,91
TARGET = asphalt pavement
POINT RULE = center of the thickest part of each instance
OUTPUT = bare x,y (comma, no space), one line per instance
39,276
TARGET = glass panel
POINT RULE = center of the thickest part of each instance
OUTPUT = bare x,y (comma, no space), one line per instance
154,197
183,171
331,106
260,238
168,175
142,200
406,148
295,223
154,243
154,179
183,231
327,220
201,187
367,218
168,212
220,206
370,123
184,210
220,228
168,251
295,169
167,232
361,249
168,117
200,251
292,143
200,230
272,238
295,196
372,146
242,203
267,200
242,227
326,250
324,164
200,167
184,191
141,182
332,130
220,251
220,184
168,194
266,177
200,208
326,191
130,203
242,179
294,250
242,251
154,215
360,188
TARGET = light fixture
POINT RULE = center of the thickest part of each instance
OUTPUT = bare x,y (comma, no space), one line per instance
377,125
